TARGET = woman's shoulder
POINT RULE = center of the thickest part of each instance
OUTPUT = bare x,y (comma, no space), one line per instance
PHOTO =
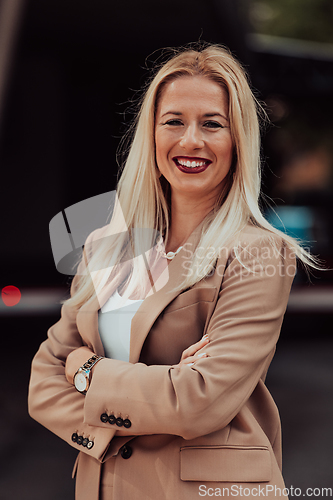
262,243
253,234
255,240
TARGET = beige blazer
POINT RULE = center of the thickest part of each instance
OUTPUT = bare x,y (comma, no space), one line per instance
191,430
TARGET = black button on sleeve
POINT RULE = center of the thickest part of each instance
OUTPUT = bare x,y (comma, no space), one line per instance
74,437
112,419
79,440
85,442
119,422
104,417
126,451
90,445
127,423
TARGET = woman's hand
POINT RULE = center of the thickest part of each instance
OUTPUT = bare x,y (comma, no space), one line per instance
189,357
193,354
75,359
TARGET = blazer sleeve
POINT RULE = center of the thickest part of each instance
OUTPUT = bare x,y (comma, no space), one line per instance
192,401
52,400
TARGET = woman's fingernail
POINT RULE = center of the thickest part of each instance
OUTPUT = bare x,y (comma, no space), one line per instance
190,364
205,337
202,354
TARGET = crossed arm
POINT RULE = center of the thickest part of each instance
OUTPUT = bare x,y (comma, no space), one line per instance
167,399
79,356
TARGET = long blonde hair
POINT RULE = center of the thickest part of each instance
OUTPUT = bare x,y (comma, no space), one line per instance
144,196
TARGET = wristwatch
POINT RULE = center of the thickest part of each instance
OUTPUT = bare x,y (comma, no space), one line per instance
83,375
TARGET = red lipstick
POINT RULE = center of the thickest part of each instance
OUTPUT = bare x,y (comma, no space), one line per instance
182,163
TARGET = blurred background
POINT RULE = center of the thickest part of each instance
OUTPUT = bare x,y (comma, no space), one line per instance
68,73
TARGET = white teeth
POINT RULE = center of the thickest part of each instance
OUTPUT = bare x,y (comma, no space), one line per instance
191,164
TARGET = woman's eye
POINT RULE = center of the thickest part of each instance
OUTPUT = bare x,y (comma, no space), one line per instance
173,122
211,124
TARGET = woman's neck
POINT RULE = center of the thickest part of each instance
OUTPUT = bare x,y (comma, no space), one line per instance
186,215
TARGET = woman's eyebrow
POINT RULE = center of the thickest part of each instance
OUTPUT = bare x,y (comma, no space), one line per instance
178,113
210,115
206,115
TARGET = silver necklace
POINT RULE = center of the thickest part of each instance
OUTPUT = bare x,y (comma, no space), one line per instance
169,255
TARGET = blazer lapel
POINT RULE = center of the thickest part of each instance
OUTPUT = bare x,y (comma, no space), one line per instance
154,304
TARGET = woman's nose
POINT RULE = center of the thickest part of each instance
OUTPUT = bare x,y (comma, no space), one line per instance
191,138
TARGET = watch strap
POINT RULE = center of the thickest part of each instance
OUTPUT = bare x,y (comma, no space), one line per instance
86,368
91,362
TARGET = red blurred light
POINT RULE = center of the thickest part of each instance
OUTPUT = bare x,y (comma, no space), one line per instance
11,295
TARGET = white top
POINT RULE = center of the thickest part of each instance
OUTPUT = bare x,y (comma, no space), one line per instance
114,324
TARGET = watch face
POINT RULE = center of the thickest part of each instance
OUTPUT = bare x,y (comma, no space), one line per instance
80,382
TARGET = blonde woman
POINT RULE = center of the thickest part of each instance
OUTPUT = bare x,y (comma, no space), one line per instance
181,410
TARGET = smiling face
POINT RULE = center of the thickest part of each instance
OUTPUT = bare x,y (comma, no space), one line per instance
193,143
